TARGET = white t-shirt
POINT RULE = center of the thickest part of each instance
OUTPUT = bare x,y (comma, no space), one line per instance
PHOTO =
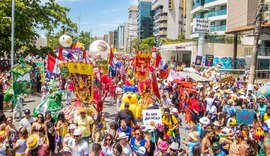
118,90
166,103
213,111
26,123
81,149
209,102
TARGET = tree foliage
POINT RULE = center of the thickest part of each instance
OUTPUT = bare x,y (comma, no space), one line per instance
31,16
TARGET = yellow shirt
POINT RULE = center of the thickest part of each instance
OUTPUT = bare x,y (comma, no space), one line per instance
84,125
265,117
170,121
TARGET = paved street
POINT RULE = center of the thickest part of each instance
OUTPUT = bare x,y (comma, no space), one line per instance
32,101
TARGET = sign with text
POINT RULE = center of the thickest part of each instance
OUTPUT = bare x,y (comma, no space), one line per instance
201,25
151,117
209,59
245,116
198,60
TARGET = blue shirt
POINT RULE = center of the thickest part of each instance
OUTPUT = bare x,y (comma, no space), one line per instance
127,131
221,153
262,110
229,110
199,129
190,147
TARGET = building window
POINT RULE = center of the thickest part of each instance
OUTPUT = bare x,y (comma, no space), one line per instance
171,4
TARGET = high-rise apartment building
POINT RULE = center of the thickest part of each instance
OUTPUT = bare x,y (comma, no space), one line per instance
132,22
111,38
145,19
115,39
126,41
106,38
169,20
213,10
121,31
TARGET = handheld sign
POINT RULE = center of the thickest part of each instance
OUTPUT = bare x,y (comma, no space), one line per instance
151,117
244,116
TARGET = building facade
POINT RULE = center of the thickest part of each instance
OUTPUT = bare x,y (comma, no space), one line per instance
145,19
213,10
126,41
115,39
132,25
121,33
169,18
111,38
106,38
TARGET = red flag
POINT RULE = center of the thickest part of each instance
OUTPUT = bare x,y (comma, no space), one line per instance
84,54
60,54
52,64
111,57
158,59
155,85
74,45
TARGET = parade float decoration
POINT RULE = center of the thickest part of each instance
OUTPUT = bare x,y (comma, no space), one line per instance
65,41
132,99
51,103
20,85
142,63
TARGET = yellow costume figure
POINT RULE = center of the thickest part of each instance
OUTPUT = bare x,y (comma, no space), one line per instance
132,99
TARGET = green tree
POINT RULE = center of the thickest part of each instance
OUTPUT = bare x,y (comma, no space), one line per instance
85,38
31,16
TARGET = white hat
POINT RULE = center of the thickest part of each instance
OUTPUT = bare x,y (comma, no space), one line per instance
72,126
66,149
216,123
175,146
174,110
204,121
77,132
122,135
141,151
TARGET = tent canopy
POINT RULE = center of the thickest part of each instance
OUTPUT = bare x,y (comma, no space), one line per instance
195,77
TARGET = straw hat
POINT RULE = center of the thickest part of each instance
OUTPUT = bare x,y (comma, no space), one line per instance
66,149
199,85
32,141
230,101
228,91
216,123
241,91
194,135
77,132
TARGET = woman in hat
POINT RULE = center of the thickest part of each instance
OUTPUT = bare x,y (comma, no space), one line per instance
20,145
127,151
239,147
194,139
162,147
174,149
69,136
99,127
107,146
34,148
66,151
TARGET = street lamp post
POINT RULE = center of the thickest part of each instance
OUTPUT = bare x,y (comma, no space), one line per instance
80,14
12,34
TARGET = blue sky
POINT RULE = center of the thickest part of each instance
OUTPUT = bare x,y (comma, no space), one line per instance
98,16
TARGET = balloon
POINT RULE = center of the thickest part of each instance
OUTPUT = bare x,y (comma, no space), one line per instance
41,41
65,41
99,47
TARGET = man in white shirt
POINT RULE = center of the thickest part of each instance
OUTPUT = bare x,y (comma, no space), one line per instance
27,121
119,93
79,146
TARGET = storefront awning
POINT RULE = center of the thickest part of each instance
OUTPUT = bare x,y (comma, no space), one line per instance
246,28
196,77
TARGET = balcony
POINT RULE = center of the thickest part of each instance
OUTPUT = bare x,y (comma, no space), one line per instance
218,28
163,32
217,13
209,1
198,4
159,11
163,18
264,51
163,25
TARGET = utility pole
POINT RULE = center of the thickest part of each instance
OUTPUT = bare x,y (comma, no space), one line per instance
12,34
257,33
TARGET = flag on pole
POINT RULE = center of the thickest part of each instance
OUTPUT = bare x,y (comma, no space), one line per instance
158,59
60,54
52,65
111,57
155,85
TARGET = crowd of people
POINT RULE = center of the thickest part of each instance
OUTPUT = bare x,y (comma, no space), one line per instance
201,121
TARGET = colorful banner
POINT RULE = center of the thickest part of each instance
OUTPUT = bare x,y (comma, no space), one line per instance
209,59
198,60
80,68
142,62
82,76
41,69
245,116
151,117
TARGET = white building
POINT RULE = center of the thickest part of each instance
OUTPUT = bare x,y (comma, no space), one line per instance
169,20
126,41
121,33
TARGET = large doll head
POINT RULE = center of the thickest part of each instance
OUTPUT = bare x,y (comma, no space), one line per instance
130,98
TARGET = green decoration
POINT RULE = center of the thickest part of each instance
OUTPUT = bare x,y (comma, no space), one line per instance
52,103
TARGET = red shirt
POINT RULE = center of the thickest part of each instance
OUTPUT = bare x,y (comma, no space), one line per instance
194,105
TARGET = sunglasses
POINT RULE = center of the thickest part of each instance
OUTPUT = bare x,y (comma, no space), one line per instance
108,139
138,133
82,113
173,150
26,113
76,136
